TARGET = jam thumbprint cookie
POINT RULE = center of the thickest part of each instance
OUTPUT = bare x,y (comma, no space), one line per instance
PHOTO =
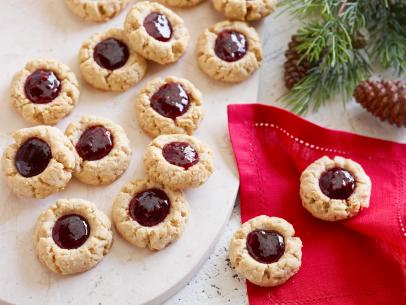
97,11
44,92
39,163
156,32
72,236
178,161
107,62
229,51
149,215
169,106
245,10
265,251
102,149
334,189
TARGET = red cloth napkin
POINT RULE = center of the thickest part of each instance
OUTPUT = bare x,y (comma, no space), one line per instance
357,261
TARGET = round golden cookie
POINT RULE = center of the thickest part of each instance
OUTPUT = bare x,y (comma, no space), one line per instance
102,150
144,226
115,66
244,10
343,193
181,3
45,91
39,163
169,43
178,161
72,236
266,268
235,66
97,11
169,106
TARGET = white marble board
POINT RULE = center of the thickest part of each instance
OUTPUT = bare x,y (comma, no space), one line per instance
46,29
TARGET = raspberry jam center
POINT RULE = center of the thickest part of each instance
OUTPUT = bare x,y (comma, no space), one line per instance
171,100
32,157
111,54
150,207
158,26
42,86
95,143
265,246
70,231
230,45
180,154
337,183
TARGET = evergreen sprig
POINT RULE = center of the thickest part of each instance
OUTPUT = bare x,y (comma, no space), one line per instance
328,40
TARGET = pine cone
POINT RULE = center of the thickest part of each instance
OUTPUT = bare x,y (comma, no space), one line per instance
385,99
295,68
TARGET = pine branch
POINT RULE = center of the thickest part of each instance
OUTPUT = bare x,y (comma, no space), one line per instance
333,41
387,29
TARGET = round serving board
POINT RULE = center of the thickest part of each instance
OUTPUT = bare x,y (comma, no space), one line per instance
128,275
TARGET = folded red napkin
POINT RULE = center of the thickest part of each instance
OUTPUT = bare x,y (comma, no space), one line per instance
357,261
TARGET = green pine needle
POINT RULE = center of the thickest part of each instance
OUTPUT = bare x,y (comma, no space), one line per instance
327,39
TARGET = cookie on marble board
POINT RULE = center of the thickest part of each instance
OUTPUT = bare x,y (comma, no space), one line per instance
178,161
181,3
335,189
229,51
156,32
44,91
97,11
266,251
169,106
149,215
72,236
102,149
39,163
244,10
107,62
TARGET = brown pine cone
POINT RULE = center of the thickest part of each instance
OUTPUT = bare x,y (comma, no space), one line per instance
385,99
295,68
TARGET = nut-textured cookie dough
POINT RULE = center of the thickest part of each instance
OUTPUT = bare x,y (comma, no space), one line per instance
83,258
158,169
181,3
54,177
245,10
49,113
325,208
108,168
120,79
155,237
261,274
96,10
149,47
222,70
155,124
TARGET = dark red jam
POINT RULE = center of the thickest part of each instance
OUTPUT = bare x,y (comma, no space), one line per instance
180,154
171,100
70,231
111,54
95,143
158,26
150,207
42,86
32,157
265,246
337,183
230,45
